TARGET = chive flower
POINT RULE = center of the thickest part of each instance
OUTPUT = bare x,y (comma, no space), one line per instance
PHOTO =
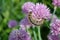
19,35
12,23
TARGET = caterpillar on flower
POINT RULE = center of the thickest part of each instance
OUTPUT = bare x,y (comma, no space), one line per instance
35,21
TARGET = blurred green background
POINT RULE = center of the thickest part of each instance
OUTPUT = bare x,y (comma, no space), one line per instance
11,9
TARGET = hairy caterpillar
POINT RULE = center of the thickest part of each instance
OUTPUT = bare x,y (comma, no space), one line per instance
35,21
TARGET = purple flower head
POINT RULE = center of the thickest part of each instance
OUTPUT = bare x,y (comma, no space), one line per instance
56,2
53,37
36,13
41,11
12,23
38,10
25,23
55,26
27,7
19,35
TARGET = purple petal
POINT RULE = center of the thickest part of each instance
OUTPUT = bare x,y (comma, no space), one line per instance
25,23
12,23
55,26
56,3
53,37
19,35
41,11
27,7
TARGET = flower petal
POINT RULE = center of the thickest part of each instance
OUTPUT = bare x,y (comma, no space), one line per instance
19,35
25,23
12,23
53,37
27,7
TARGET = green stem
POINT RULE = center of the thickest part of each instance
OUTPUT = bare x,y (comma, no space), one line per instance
27,29
39,34
35,36
54,12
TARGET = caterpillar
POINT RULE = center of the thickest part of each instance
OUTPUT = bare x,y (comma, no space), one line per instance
35,21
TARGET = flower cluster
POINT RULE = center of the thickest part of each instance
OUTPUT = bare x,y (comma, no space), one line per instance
25,23
12,23
55,29
35,14
19,35
56,2
53,37
55,25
